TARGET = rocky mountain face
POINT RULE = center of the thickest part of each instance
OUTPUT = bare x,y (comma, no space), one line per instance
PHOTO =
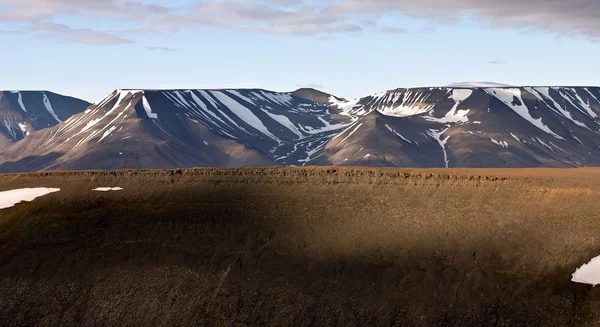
24,112
458,126
183,128
472,127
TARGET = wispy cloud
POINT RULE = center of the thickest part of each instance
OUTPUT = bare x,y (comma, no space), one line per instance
311,86
65,34
393,29
163,49
498,62
303,17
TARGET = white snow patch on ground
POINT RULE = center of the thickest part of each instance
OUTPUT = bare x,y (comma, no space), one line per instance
281,98
437,135
241,96
148,109
283,120
411,104
500,143
12,197
544,144
585,105
243,113
589,273
345,106
182,100
107,133
454,115
107,189
328,127
508,96
20,100
351,133
397,134
23,128
515,137
592,95
48,106
543,94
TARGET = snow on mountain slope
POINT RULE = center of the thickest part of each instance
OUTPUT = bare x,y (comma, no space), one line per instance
420,127
23,112
491,127
186,128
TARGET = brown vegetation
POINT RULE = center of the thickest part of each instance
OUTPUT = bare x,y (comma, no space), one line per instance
302,247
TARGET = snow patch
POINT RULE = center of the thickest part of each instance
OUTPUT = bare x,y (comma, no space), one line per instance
351,133
437,135
243,113
410,105
48,106
503,144
107,133
283,120
148,109
107,189
543,94
23,128
508,96
20,100
515,137
589,273
397,134
12,197
345,106
454,115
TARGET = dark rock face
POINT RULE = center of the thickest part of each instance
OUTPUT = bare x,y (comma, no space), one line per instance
24,112
420,127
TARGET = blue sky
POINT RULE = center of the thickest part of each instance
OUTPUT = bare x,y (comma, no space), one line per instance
87,48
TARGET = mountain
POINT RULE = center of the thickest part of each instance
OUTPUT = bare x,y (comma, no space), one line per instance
23,112
472,127
469,125
182,128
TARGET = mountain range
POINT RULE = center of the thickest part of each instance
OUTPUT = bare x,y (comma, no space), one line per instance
461,125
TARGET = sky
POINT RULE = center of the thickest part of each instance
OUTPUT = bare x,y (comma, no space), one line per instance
350,48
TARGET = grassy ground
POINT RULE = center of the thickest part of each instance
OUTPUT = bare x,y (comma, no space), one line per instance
302,247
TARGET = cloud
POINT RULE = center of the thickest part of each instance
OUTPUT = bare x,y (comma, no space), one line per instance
393,29
316,18
573,17
311,86
498,62
163,49
65,34
40,10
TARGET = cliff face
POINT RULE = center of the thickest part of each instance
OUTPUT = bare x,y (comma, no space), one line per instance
293,246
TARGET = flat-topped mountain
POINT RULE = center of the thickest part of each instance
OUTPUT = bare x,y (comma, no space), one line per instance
466,125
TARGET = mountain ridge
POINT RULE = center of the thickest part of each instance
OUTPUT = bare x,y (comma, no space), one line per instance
418,127
23,112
